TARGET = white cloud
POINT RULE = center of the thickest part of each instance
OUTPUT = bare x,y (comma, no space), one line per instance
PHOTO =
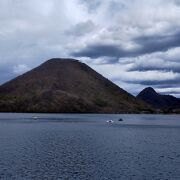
33,31
20,69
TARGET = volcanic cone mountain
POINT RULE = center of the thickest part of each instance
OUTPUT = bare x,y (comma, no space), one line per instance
66,86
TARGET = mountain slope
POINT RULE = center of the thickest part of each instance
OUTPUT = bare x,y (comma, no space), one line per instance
150,96
66,85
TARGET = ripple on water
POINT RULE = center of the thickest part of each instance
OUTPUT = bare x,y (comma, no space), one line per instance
85,150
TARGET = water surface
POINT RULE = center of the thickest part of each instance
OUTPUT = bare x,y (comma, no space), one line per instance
87,147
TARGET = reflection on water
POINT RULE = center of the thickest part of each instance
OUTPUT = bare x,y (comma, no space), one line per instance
87,147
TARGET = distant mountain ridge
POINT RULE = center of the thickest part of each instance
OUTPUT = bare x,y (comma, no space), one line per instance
66,86
159,101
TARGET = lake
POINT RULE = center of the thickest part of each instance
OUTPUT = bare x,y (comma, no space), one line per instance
80,147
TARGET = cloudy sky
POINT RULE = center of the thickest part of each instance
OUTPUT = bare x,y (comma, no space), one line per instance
134,43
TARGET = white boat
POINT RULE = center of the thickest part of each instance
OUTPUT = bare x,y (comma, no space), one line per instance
35,117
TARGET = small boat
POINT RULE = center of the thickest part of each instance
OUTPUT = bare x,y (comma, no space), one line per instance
35,117
110,121
120,119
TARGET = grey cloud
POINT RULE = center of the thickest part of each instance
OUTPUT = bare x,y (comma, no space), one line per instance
101,50
6,73
172,92
147,44
81,29
151,44
160,83
177,2
92,5
142,68
165,86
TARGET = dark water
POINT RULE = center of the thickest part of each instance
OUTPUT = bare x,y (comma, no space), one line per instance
86,147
